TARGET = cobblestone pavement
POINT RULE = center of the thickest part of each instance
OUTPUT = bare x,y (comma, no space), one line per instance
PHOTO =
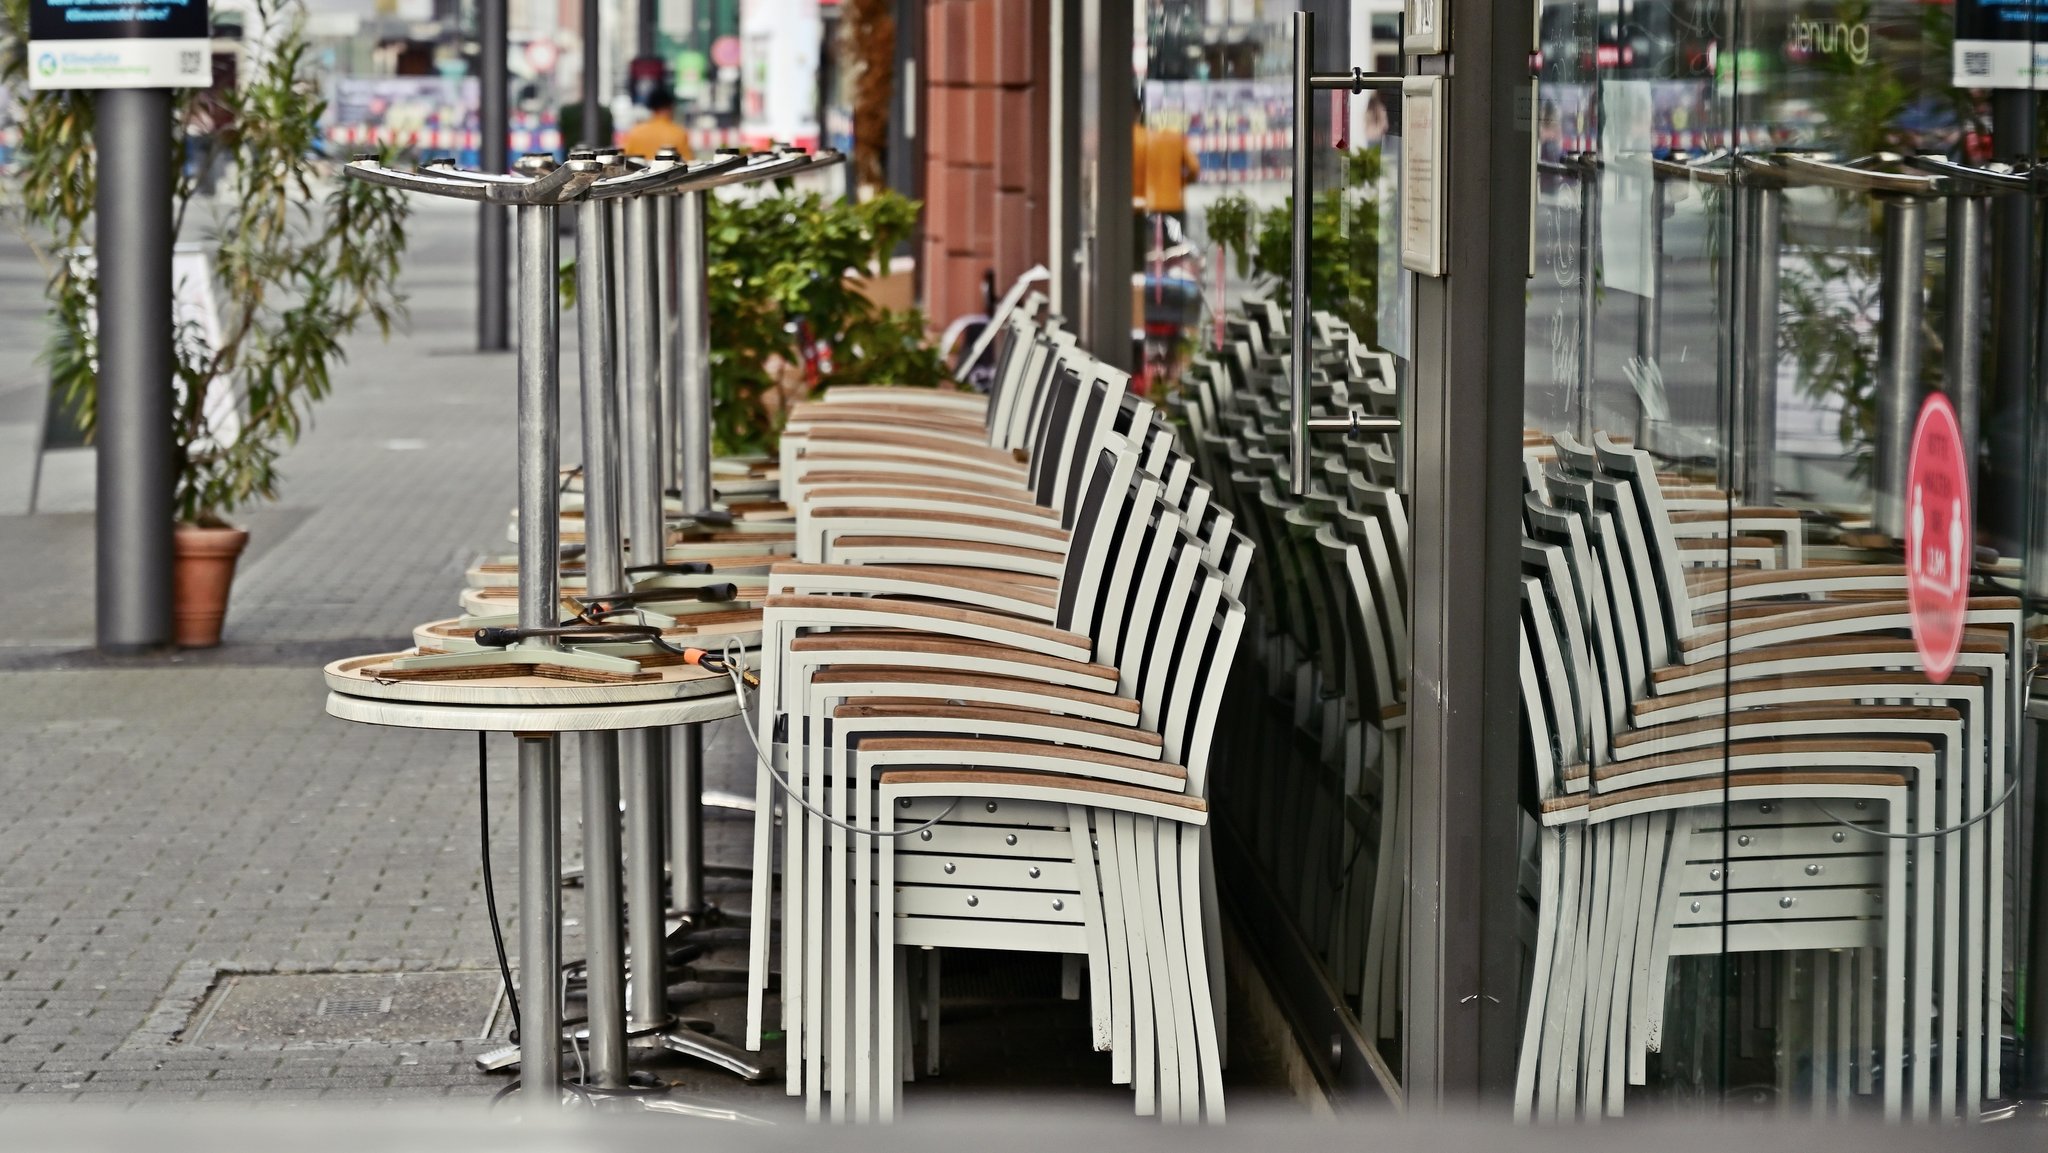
170,822
170,819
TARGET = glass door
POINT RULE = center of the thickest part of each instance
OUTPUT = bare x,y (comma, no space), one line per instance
1776,539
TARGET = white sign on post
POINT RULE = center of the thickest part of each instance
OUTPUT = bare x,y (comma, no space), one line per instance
1422,164
119,44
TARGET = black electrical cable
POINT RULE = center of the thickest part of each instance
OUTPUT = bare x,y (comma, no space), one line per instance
483,796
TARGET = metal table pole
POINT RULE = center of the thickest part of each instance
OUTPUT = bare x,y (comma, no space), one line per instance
1649,309
1759,432
1964,347
641,750
1899,354
1736,282
606,951
686,824
540,920
693,356
1589,244
663,211
540,850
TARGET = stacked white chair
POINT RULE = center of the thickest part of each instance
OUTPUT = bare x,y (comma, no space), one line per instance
1021,651
1675,674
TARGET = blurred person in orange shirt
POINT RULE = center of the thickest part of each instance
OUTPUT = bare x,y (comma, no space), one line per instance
1162,165
659,130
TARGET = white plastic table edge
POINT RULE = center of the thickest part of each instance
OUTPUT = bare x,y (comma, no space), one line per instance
532,719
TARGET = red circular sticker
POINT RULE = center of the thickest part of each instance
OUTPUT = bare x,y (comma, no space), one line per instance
1938,546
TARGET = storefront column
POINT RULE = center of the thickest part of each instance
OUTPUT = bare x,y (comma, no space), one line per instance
1461,1014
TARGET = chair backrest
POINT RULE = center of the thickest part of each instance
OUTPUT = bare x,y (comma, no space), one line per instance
1565,648
1160,621
1538,722
1099,519
1635,466
1013,406
1098,418
1014,346
1218,652
1135,557
1616,611
1615,496
1388,581
1371,673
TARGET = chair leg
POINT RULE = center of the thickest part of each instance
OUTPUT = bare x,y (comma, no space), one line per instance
1656,860
1116,920
1895,962
815,896
795,885
1625,932
1842,965
762,906
865,850
889,1017
1144,1055
1189,850
1397,920
931,1012
1547,903
1212,941
1089,891
1173,946
1560,1009
835,942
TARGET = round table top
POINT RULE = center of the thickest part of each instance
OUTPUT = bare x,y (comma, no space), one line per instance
359,677
538,719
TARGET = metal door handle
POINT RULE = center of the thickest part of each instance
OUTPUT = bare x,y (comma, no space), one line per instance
1300,424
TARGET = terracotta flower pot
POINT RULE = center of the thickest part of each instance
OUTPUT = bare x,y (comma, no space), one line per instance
199,585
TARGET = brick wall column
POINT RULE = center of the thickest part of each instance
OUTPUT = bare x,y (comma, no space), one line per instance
985,148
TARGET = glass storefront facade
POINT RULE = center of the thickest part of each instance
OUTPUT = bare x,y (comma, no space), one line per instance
1765,238
1779,540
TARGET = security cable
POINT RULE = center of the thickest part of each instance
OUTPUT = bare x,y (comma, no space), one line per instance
733,663
1942,832
483,792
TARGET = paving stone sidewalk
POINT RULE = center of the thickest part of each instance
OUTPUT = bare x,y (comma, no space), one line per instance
169,820
167,824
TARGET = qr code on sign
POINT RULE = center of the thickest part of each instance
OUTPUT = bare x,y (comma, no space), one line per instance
188,62
1977,63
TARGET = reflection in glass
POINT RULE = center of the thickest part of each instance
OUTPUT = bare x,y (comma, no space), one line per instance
1769,855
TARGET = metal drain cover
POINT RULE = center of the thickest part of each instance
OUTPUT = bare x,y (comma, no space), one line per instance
316,1008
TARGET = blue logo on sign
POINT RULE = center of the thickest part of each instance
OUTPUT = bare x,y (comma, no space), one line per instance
47,64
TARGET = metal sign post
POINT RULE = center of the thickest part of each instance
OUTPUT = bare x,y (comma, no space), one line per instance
491,31
135,61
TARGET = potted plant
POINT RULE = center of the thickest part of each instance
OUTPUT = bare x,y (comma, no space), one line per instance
788,316
295,271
